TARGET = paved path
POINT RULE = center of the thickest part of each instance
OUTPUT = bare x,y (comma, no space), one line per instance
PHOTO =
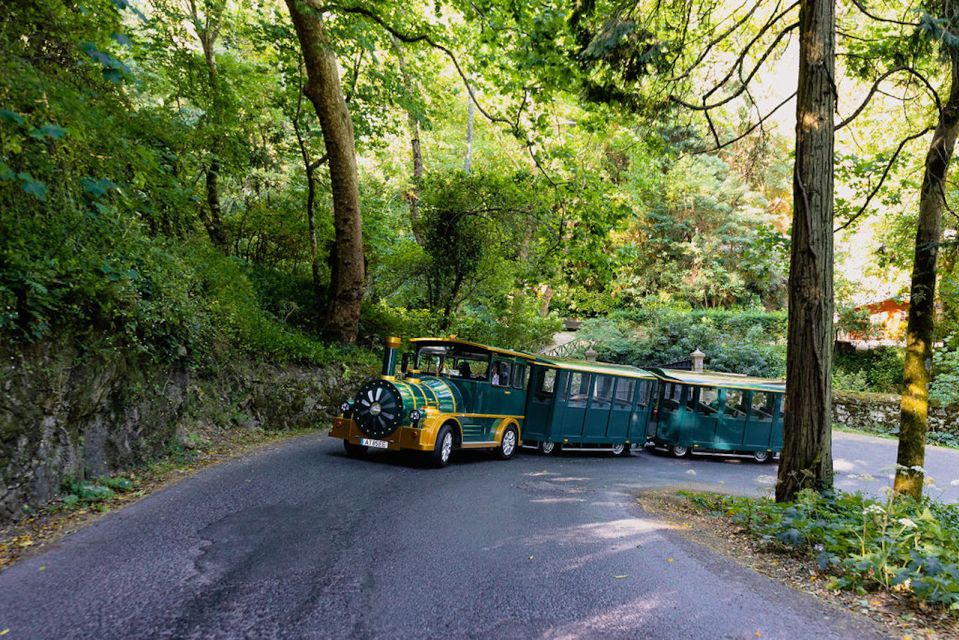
302,542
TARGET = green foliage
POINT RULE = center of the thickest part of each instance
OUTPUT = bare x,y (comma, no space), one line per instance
93,493
945,384
878,370
864,544
749,342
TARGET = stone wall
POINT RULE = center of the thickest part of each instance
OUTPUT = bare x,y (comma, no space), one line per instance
66,413
867,411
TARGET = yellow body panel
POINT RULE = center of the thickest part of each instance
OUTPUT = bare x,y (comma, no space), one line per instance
421,438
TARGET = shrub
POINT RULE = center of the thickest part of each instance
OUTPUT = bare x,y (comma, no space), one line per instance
898,544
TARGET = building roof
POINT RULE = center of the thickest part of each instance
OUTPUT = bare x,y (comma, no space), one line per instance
717,379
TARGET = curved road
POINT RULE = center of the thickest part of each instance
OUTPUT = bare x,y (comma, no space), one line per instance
302,542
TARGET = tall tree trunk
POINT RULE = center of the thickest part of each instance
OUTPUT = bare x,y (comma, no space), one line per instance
914,412
807,447
470,117
413,196
309,167
324,91
208,33
212,219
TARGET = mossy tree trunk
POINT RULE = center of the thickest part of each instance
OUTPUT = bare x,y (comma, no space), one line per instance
807,447
323,88
914,411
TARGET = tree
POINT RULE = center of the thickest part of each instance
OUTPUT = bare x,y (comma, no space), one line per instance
324,91
921,324
806,460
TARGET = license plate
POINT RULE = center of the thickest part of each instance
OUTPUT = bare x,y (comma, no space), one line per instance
376,444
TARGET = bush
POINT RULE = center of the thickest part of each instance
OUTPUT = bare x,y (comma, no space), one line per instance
897,545
738,342
945,385
881,369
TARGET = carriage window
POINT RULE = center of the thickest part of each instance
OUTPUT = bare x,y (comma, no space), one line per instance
670,395
734,403
501,372
624,393
547,382
578,389
708,401
691,397
519,376
469,367
602,391
762,406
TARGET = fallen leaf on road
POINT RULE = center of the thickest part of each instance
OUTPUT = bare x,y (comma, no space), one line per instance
620,577
43,567
4,632
758,634
531,557
691,472
669,560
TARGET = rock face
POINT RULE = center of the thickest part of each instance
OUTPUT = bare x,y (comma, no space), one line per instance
867,411
66,413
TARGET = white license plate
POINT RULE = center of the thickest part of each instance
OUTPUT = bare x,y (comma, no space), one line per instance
376,444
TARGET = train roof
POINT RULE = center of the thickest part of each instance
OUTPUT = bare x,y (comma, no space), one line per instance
718,379
477,345
603,368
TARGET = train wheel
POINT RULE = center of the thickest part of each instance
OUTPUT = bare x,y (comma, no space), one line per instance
547,448
620,449
679,451
507,446
443,448
354,450
761,456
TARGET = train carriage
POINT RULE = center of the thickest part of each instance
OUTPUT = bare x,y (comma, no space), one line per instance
702,411
579,405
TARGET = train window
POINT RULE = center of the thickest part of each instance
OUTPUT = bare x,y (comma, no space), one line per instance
670,396
762,406
644,389
624,393
519,376
691,397
470,367
708,403
501,373
547,382
578,389
602,391
734,403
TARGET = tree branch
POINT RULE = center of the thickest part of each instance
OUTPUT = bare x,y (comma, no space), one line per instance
750,129
749,77
867,13
411,39
875,87
882,178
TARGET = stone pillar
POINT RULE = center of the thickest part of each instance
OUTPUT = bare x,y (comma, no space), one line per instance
591,354
698,357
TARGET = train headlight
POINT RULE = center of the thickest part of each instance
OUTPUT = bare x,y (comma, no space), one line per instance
345,408
415,416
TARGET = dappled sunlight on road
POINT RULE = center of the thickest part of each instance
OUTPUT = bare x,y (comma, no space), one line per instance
629,615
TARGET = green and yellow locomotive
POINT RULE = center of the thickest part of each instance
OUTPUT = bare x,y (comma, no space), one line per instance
454,394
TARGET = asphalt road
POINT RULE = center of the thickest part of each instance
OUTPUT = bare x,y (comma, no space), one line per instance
302,542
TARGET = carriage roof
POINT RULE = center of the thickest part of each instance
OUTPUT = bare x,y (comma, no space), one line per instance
602,368
475,345
717,379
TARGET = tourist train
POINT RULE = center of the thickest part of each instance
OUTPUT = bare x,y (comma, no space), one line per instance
450,394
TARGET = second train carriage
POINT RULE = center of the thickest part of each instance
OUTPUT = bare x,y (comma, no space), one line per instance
573,404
